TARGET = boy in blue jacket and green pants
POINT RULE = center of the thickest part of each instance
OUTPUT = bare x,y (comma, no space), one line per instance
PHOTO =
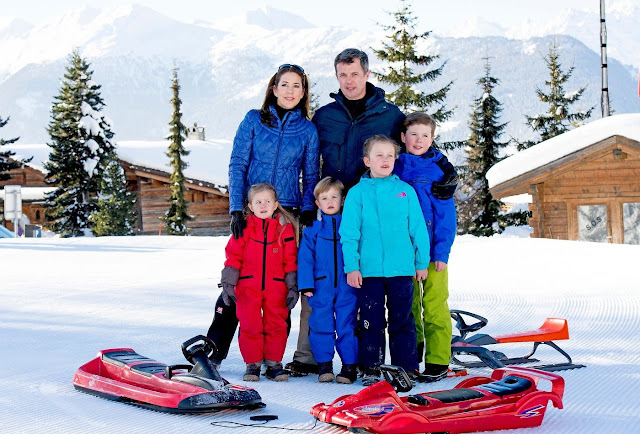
385,245
421,166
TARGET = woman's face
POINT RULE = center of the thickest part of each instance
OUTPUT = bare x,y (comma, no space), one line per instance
289,90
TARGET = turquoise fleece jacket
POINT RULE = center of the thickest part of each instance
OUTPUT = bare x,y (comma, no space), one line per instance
383,232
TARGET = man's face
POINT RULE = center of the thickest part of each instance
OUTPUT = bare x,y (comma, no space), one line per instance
352,79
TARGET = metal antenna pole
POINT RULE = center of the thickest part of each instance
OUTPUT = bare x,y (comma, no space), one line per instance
604,101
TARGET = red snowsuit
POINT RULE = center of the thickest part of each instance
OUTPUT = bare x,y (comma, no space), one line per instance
264,255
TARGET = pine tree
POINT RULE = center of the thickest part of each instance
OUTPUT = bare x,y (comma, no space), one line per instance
483,151
116,214
5,164
177,216
400,54
80,141
558,118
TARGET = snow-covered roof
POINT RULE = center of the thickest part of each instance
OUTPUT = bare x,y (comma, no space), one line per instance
31,193
626,125
208,160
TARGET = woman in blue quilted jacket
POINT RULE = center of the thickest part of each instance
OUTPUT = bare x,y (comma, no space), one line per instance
276,144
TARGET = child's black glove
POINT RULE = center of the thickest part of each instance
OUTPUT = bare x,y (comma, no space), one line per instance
238,223
291,280
444,189
292,299
308,217
228,282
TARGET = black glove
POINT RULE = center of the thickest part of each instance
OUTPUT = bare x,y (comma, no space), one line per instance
308,217
445,188
292,299
238,223
228,282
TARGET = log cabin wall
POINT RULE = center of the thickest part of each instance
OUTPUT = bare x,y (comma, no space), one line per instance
608,179
27,177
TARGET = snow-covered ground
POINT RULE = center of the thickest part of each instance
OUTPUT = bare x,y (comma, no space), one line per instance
62,300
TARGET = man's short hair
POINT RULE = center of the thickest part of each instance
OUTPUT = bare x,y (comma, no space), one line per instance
326,184
419,118
368,144
349,56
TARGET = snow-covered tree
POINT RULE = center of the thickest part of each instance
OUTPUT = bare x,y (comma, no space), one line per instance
558,118
401,57
479,214
177,216
116,213
80,141
5,164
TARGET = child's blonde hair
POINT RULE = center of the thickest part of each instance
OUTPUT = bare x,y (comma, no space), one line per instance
420,118
326,184
368,144
284,215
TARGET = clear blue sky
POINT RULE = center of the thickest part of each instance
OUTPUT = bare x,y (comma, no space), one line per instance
433,14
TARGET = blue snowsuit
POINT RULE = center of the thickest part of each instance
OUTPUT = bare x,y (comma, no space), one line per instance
430,307
333,304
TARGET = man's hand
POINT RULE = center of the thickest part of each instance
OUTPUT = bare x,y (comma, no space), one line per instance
354,279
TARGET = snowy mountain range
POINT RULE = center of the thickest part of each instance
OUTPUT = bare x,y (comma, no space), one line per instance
224,67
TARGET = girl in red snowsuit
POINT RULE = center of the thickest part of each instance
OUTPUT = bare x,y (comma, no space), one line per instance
260,273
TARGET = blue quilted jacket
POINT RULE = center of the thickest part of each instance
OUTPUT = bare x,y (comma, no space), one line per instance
420,171
276,155
341,137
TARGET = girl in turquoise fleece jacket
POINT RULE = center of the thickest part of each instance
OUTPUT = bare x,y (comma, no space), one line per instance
385,245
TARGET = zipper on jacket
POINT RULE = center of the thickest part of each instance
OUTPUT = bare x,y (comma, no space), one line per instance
280,134
335,254
265,227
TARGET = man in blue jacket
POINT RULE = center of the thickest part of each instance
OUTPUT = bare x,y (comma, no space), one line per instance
358,112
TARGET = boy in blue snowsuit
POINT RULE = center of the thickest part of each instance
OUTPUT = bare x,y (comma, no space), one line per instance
421,166
385,244
322,279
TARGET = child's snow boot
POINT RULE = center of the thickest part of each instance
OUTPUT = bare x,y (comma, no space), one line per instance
252,373
275,372
348,374
325,372
433,373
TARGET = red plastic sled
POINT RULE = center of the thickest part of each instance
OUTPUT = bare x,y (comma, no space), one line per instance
121,374
509,399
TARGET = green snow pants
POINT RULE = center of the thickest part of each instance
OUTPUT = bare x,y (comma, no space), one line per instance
432,316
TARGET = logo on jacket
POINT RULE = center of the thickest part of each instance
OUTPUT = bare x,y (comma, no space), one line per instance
219,310
402,194
275,250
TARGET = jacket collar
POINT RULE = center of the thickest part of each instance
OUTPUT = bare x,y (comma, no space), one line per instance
374,95
290,116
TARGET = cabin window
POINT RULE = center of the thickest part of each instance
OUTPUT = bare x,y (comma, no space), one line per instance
592,223
37,215
631,222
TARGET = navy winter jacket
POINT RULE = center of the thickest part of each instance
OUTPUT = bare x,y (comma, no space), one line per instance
420,171
342,137
275,155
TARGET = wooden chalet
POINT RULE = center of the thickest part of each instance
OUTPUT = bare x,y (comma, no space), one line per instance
32,201
584,184
207,202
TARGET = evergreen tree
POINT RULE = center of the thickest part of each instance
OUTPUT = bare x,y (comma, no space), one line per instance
558,118
400,55
483,151
5,164
116,214
177,216
80,141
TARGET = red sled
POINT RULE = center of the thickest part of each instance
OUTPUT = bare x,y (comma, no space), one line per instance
121,374
509,399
